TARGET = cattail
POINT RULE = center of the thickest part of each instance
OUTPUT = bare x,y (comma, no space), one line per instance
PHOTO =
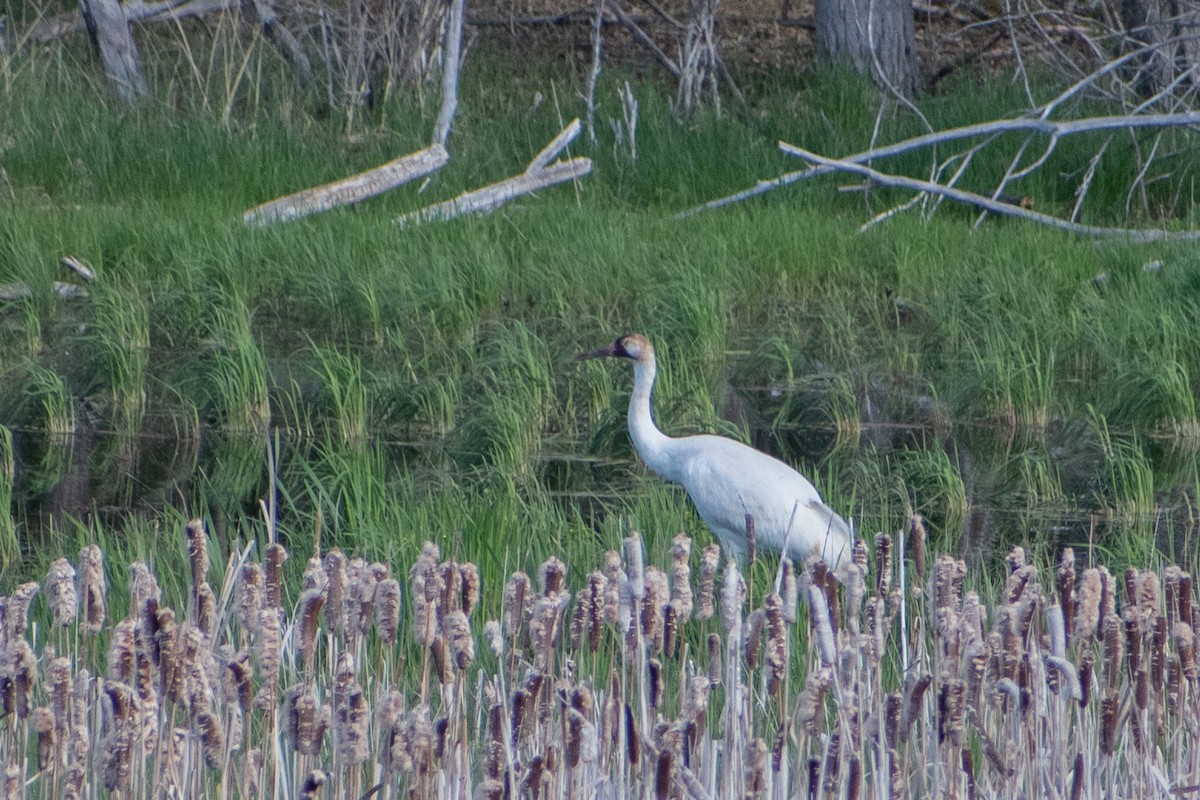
197,551
654,681
115,753
335,590
1056,630
733,596
916,529
212,739
239,677
883,564
633,740
1109,710
516,611
752,637
92,588
1088,609
545,625
789,590
1065,581
832,764
494,637
469,575
913,701
206,609
268,651
60,592
597,611
777,643
387,610
812,699
313,781
1068,676
551,576
314,576
249,597
1185,644
42,721
818,612
16,611
311,602
251,769
351,717
1112,650
142,587
951,710
710,562
681,575
1158,652
305,720
121,650
662,775
452,590
361,581
458,635
654,600
636,560
273,558
61,693
948,575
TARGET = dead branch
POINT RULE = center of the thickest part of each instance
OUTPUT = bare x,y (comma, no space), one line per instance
350,190
540,174
1044,126
451,59
980,201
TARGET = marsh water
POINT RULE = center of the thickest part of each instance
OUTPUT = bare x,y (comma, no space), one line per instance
878,454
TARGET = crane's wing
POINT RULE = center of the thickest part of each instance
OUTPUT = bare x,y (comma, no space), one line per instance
728,480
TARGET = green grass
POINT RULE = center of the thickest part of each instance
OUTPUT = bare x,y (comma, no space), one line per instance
421,383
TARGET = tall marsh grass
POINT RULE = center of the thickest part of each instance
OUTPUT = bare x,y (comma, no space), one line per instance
655,674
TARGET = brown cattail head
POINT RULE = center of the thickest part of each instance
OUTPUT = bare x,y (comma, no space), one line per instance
93,589
916,530
654,601
314,576
314,781
1064,577
948,575
273,558
1087,609
361,581
335,590
206,609
458,635
351,716
305,720
249,597
777,643
681,575
197,551
142,587
61,594
212,739
517,598
552,576
883,564
268,651
733,597
818,612
469,579
387,610
311,602
16,611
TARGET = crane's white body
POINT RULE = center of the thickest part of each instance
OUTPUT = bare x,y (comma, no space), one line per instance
728,480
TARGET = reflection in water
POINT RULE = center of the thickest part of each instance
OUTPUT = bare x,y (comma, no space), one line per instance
983,484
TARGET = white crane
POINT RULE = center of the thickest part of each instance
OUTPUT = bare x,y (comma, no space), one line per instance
728,480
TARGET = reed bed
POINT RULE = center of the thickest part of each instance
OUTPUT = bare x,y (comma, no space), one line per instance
632,680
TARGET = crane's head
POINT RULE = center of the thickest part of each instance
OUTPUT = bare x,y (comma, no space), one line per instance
634,346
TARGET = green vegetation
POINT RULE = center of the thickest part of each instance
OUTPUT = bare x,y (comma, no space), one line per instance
378,386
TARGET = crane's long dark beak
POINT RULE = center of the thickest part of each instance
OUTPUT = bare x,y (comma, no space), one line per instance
603,352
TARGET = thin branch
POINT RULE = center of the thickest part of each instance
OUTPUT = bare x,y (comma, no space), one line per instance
1050,128
915,184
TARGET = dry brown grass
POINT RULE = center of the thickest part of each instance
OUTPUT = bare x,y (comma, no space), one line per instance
638,684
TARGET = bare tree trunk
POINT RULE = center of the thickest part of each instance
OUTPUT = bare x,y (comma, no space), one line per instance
110,34
875,37
698,67
1172,29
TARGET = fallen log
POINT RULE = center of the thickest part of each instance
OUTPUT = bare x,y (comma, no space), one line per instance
540,174
348,191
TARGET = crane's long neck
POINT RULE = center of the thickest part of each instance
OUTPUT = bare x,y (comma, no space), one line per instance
651,444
